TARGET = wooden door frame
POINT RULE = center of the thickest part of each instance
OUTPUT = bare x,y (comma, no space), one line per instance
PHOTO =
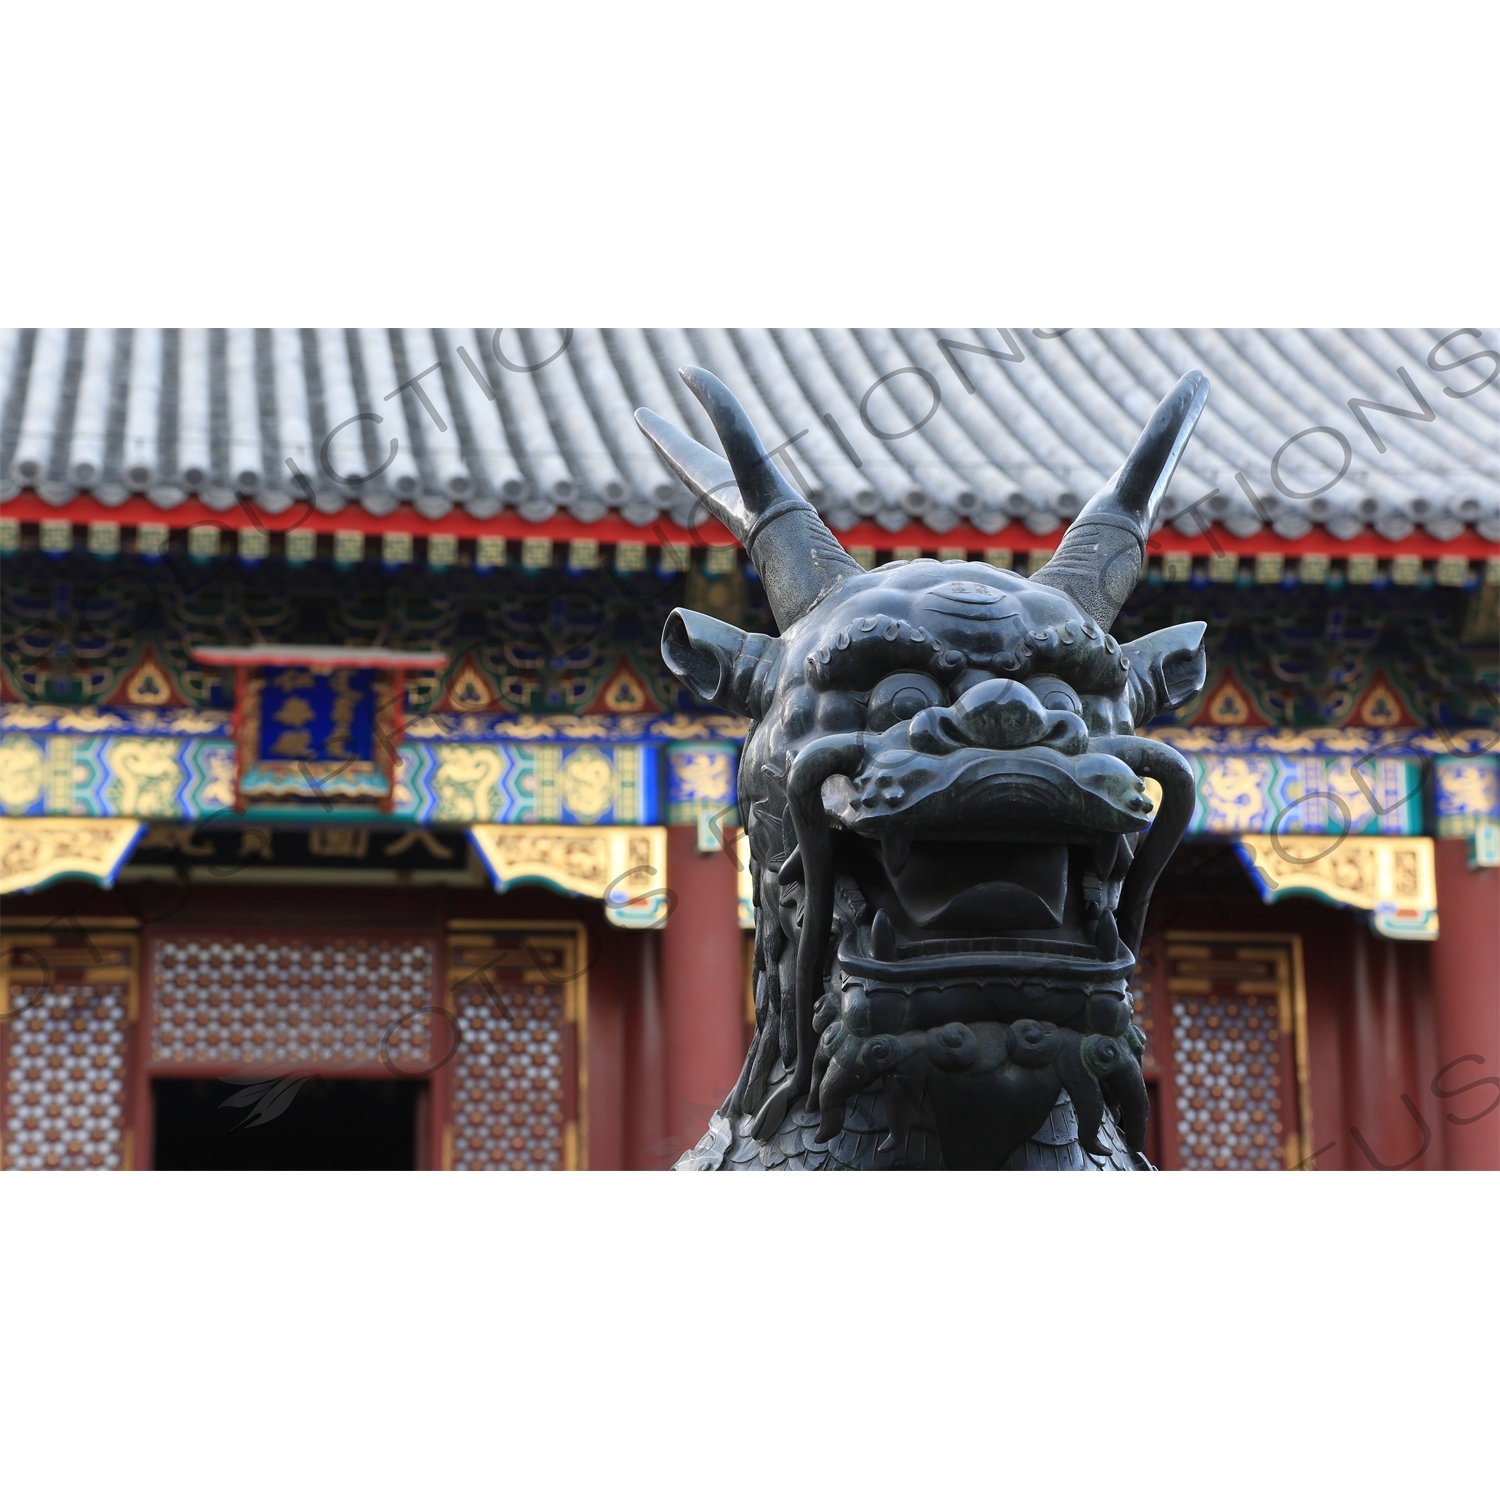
39,934
148,1070
575,1028
1291,1022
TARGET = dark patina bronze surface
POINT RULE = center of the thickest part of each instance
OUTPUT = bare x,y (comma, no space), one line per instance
953,845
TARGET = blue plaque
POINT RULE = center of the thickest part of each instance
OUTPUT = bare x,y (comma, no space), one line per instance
316,715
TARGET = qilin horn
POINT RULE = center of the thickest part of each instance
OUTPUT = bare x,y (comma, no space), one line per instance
1098,562
799,560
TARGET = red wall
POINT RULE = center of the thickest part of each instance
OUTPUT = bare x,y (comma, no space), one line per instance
1466,982
665,1010
1384,1018
665,1040
702,983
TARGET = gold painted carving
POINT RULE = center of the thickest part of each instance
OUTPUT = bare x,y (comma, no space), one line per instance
1466,788
35,851
148,685
218,791
546,762
148,775
1233,791
624,693
181,838
469,690
467,782
101,720
745,883
1394,878
1228,705
625,868
415,837
587,783
62,758
704,775
337,842
23,772
524,727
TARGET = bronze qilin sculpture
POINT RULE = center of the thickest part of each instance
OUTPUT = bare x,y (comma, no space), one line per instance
951,839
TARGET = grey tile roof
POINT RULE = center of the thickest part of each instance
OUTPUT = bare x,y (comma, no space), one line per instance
937,425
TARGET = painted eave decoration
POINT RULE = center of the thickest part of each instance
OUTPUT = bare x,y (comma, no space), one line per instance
35,852
625,868
1392,878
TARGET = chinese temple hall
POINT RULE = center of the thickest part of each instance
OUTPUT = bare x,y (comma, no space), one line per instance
351,818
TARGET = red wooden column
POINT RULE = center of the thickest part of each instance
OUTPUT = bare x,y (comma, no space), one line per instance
646,1147
1390,1126
700,986
1466,996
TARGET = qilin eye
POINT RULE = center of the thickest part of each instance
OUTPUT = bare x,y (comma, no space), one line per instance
1054,693
902,695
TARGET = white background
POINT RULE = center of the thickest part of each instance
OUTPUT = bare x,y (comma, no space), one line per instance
314,164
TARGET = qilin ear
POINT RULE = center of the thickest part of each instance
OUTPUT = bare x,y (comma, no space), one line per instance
730,667
1167,668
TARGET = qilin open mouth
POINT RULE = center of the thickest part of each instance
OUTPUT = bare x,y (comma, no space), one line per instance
945,793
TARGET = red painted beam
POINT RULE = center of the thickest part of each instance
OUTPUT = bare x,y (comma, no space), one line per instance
303,517
709,533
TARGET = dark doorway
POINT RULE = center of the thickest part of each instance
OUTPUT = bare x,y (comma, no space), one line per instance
286,1125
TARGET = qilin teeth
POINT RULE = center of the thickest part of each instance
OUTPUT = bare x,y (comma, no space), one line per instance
1107,937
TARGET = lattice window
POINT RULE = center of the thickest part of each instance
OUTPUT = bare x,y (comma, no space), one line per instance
70,1004
517,997
352,1001
1233,1020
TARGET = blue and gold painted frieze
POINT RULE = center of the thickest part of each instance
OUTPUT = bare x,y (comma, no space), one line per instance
115,776
487,782
54,718
701,790
571,728
1306,794
656,728
163,778
700,777
1465,794
664,728
1420,743
642,769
